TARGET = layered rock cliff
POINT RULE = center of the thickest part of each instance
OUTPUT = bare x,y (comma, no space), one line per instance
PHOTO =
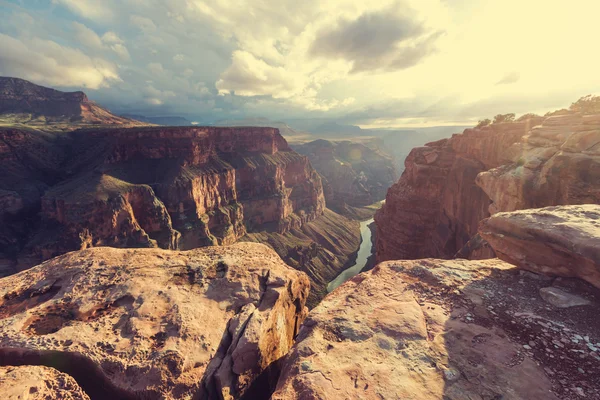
354,175
162,187
24,102
155,324
435,329
450,185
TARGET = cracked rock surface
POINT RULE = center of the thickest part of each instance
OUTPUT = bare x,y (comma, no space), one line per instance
435,329
154,324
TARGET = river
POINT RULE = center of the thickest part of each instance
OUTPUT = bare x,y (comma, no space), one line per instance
365,250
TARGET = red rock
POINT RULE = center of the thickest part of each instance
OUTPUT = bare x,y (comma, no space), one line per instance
556,241
353,174
26,102
450,185
152,323
432,329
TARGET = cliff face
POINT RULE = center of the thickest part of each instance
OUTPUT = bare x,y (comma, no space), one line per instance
449,185
163,187
26,102
353,174
154,324
435,329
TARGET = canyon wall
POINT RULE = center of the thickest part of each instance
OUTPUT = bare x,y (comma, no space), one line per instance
452,184
435,329
165,187
25,102
354,175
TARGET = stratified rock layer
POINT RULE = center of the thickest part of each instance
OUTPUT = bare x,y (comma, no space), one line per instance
353,174
450,185
152,323
25,102
432,329
556,241
38,383
174,188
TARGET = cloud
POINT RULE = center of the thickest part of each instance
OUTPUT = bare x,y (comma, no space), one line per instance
87,37
156,68
90,9
121,51
383,40
111,38
144,24
511,77
47,62
250,76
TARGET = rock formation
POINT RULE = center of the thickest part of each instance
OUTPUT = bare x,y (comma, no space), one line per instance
431,329
557,241
152,323
321,248
38,383
160,187
353,174
25,102
450,185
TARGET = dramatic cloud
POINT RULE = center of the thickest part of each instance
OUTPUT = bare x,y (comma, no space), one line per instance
382,40
249,76
373,63
47,62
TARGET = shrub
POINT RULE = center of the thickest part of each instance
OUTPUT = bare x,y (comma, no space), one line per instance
500,118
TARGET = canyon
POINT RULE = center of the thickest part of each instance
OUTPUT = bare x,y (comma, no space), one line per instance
147,262
170,188
449,186
354,175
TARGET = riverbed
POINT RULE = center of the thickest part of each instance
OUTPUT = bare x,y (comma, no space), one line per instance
365,250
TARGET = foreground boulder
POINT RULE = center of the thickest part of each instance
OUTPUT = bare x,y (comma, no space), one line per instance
153,323
453,330
38,383
557,241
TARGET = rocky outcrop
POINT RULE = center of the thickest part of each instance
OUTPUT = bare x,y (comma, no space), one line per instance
38,383
556,241
25,102
174,188
321,248
450,185
556,163
353,174
151,323
432,329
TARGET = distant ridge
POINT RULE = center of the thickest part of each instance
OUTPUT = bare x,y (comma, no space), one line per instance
24,102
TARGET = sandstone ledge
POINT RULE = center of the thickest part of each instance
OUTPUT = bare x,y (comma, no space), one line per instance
153,323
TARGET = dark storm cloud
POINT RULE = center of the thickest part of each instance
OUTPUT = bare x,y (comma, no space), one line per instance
382,40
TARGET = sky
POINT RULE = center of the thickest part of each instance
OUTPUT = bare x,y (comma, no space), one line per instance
388,63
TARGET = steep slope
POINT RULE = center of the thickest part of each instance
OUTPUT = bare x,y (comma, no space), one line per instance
449,185
23,102
456,329
169,187
173,188
353,174
155,324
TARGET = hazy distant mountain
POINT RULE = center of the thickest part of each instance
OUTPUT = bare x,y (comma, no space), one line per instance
164,120
23,102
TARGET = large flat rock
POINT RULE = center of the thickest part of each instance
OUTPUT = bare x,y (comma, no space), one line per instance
558,241
454,330
154,324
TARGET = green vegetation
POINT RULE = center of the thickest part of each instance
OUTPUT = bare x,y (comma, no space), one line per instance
502,118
